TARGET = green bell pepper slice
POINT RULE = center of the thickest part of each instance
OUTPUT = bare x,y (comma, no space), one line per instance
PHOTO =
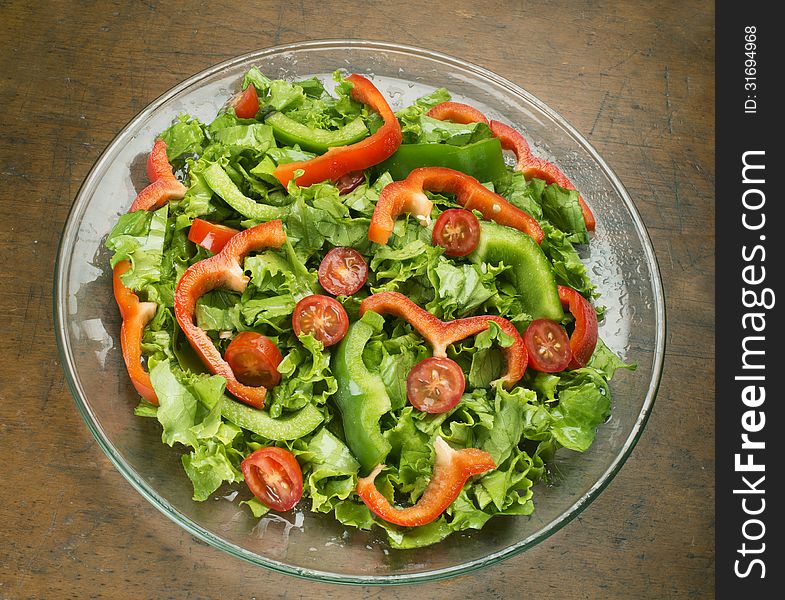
220,182
361,397
290,427
482,160
291,132
531,272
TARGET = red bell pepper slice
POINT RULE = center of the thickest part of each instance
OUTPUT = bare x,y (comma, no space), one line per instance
339,161
531,166
136,315
440,334
408,196
212,236
396,304
457,112
223,270
451,470
584,338
512,140
164,185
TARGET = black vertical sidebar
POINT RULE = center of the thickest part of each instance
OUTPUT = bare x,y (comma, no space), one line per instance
750,302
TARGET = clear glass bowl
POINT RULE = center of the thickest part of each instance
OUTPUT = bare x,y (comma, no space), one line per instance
620,259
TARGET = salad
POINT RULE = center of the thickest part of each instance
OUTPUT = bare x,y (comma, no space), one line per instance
376,315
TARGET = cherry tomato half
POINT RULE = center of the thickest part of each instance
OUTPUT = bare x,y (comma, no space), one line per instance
548,346
210,235
350,181
254,359
246,103
457,231
321,316
274,476
435,385
343,272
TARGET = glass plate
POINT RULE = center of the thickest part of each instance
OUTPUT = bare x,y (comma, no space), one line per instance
620,259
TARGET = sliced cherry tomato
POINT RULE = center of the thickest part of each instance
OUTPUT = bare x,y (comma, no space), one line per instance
350,181
435,385
246,103
254,359
548,346
343,271
274,476
457,231
322,317
210,235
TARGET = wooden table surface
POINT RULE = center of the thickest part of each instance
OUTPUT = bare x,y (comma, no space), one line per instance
636,78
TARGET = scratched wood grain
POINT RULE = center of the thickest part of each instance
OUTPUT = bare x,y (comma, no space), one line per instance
637,78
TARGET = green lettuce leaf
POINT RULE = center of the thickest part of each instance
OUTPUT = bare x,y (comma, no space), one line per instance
567,265
139,237
560,206
353,514
190,414
465,514
275,272
176,406
410,117
405,539
508,423
253,138
330,471
435,131
219,310
403,266
396,357
275,311
411,454
283,95
208,466
606,361
488,360
584,404
184,136
305,377
460,289
509,488
255,77
526,195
